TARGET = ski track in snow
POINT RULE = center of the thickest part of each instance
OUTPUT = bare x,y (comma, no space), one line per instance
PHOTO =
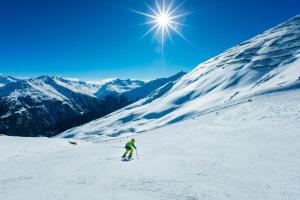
247,151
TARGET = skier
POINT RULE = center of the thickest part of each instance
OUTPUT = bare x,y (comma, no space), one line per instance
129,148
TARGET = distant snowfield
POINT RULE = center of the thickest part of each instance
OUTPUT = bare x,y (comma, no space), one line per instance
247,151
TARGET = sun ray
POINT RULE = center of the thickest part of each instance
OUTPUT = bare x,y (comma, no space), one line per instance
170,6
149,31
144,14
178,16
169,34
158,6
176,8
154,11
179,24
149,22
180,34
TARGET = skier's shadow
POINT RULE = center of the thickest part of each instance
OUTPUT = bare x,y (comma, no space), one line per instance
126,159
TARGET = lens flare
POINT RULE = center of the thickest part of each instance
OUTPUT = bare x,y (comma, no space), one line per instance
164,19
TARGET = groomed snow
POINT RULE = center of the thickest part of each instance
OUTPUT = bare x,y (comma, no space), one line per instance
246,151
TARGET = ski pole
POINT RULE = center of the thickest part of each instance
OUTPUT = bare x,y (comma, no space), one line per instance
137,155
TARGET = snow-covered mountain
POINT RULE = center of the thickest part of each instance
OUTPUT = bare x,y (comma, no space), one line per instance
6,79
118,86
149,87
79,86
74,84
37,106
99,89
48,105
266,63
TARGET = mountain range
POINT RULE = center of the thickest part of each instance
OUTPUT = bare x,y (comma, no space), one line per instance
47,105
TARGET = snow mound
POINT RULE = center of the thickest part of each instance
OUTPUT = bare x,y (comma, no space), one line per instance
265,63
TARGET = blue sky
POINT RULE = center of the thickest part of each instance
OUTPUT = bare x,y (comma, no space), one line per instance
96,39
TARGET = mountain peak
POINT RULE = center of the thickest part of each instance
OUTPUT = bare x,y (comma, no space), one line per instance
297,17
118,86
6,79
43,78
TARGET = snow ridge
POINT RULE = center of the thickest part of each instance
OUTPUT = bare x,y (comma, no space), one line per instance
6,79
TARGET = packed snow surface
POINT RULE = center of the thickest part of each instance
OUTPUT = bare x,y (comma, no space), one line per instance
245,151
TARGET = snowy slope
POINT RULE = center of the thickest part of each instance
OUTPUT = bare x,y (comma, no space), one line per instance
6,79
265,63
118,86
247,151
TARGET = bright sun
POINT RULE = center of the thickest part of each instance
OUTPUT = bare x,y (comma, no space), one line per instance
163,19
